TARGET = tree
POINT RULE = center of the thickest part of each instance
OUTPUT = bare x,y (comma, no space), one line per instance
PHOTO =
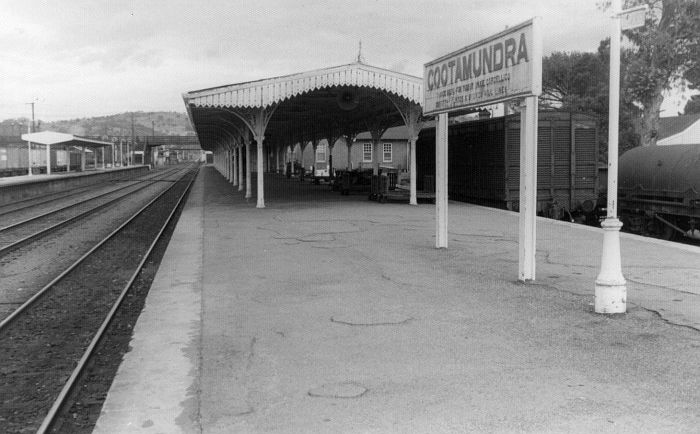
575,81
692,106
665,53
579,82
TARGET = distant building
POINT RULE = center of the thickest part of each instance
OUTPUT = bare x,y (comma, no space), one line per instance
679,130
393,152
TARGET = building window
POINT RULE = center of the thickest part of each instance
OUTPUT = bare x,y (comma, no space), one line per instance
367,152
321,154
387,152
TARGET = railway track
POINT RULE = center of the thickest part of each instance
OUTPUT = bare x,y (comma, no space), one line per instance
17,206
35,226
47,342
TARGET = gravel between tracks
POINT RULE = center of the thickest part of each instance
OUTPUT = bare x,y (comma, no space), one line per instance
39,351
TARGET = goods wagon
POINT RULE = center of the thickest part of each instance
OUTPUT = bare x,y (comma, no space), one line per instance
484,163
659,191
14,156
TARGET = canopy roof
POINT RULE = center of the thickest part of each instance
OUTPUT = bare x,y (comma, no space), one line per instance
324,103
54,138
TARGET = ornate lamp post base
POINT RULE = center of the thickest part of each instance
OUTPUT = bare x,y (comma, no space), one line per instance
610,289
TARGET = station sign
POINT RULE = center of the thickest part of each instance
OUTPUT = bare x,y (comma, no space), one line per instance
504,66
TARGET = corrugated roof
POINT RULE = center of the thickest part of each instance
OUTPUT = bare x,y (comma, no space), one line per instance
673,125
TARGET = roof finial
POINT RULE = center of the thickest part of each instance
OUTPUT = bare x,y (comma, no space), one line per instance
360,59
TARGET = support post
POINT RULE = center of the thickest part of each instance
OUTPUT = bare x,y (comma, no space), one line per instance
240,168
330,159
376,139
348,143
285,158
248,181
412,146
260,192
235,166
441,181
527,231
68,158
29,151
277,157
82,159
48,159
104,165
229,171
610,285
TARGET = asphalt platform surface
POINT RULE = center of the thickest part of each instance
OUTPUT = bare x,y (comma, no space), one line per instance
330,314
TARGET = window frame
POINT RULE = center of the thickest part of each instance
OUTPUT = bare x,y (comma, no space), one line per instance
384,152
364,152
320,150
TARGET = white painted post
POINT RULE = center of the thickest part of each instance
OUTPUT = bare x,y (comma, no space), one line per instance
48,159
260,193
527,232
412,146
248,180
29,150
82,159
610,285
240,168
441,181
229,172
375,153
68,159
104,166
235,166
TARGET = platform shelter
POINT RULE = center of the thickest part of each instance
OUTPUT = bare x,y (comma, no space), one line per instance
64,142
276,113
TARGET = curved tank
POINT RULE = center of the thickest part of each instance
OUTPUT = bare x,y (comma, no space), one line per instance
672,169
659,190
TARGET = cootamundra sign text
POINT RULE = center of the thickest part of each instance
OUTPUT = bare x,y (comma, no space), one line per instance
504,66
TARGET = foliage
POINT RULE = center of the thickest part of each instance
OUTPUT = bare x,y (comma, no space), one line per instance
665,53
579,82
692,106
145,124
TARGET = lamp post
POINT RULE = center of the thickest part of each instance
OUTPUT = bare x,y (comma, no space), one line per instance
610,289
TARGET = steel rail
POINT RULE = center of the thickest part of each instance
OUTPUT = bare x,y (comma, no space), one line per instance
63,274
60,400
54,197
58,225
136,181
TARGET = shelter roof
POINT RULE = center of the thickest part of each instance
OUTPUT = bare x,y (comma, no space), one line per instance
268,91
55,138
312,105
393,133
673,125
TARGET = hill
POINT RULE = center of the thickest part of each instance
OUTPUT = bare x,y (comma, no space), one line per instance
145,124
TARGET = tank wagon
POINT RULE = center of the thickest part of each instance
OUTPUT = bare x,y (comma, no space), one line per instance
484,163
659,191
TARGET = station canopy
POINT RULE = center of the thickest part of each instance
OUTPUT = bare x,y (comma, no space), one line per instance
324,103
65,140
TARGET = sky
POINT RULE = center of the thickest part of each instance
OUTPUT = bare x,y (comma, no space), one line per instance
84,58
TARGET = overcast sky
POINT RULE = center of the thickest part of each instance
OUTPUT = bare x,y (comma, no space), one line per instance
81,58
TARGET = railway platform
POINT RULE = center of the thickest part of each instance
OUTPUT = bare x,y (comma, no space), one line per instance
15,188
325,313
